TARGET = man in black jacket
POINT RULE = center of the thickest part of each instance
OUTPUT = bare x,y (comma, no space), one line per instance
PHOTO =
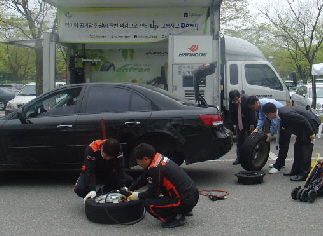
171,193
103,161
304,124
239,103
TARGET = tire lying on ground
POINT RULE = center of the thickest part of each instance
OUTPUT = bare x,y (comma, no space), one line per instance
254,152
127,212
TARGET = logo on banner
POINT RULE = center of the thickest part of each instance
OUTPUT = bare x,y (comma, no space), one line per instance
194,48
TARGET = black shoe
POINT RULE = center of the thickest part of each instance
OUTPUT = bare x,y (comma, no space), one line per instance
298,178
236,162
291,173
174,223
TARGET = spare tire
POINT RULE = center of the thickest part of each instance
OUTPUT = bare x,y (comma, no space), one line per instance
127,212
254,152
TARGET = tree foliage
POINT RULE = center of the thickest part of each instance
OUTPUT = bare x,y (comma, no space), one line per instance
299,26
28,19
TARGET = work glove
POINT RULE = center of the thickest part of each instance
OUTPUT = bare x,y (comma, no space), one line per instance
124,191
269,137
134,196
124,188
91,194
255,131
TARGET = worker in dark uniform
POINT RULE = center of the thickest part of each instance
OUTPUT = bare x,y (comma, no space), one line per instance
171,193
103,162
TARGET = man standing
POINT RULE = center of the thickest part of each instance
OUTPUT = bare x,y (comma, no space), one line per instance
284,136
304,124
243,119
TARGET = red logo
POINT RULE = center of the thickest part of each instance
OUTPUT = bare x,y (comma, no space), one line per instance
194,48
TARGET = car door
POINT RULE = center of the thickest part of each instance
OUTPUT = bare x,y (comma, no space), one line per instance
112,111
43,132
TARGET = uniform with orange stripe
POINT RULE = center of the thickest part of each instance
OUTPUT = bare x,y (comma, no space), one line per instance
108,170
170,190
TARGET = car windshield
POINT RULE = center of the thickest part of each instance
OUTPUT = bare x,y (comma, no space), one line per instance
319,92
28,90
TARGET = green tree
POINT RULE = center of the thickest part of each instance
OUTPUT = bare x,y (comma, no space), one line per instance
29,19
299,26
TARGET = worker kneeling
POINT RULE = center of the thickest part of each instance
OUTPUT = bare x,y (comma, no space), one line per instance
171,193
103,161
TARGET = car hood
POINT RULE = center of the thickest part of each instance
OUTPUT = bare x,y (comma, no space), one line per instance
22,99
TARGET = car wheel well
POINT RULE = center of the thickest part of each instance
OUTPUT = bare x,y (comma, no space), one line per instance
165,145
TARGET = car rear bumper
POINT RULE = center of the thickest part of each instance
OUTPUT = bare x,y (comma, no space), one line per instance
209,146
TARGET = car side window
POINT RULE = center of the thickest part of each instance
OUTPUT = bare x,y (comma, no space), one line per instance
139,103
262,75
234,74
60,103
108,99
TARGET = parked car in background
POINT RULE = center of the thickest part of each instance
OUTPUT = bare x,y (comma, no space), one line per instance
53,130
27,93
14,88
5,96
304,97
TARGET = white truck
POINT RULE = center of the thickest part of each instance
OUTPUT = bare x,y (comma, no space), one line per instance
161,42
240,65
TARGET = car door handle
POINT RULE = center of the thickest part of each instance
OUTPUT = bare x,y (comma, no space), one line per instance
64,127
132,123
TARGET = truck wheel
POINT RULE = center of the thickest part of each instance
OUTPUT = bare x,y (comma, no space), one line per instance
128,212
254,152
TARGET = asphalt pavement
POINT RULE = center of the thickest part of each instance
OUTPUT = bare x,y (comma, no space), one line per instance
42,203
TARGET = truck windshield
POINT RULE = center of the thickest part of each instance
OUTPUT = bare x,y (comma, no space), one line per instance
262,75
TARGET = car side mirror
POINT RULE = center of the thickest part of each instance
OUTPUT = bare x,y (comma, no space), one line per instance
21,116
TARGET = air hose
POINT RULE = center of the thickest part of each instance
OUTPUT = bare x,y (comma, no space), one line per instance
211,194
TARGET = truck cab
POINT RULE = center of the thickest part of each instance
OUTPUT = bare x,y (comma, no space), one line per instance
246,69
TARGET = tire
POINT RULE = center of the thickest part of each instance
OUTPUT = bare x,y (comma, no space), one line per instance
3,105
254,152
299,194
311,196
128,212
294,192
304,195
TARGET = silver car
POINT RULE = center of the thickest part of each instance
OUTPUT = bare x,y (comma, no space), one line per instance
304,97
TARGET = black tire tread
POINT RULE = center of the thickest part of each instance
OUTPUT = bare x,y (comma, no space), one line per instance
247,150
113,213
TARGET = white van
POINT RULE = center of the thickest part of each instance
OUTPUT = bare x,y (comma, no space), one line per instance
27,93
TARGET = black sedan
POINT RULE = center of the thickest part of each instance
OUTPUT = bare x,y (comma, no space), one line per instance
52,130
5,96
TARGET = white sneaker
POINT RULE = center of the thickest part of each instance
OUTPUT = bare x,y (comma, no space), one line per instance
272,165
274,171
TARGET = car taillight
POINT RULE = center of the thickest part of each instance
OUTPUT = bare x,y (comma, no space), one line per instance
211,119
